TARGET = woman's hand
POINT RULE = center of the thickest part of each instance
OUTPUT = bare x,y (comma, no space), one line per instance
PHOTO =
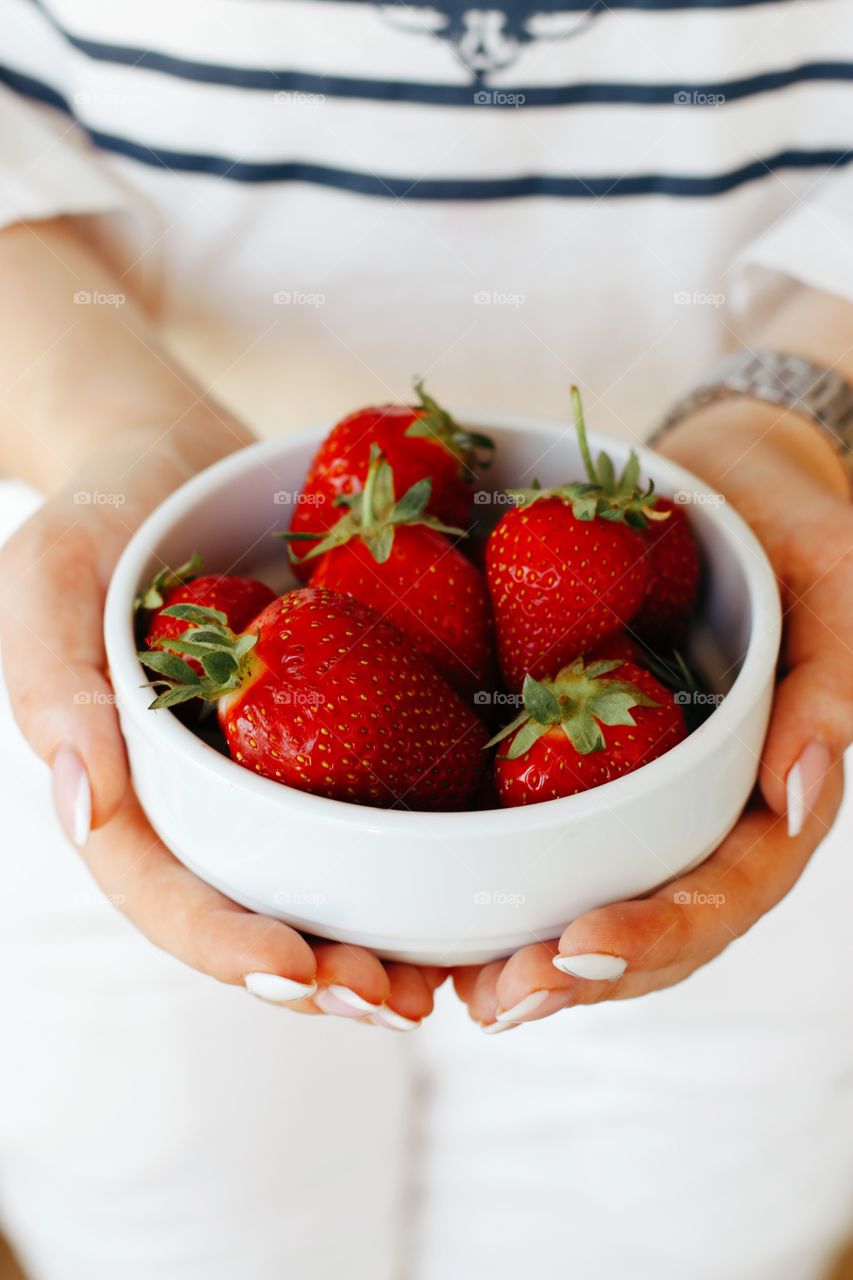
55,572
777,476
96,412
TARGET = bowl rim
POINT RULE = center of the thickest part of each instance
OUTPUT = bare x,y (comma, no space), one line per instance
133,699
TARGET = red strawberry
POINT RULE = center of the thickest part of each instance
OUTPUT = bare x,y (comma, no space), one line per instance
588,726
673,556
239,599
325,696
418,441
621,646
393,556
567,567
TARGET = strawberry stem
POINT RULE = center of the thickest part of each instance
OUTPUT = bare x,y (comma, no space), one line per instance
580,427
374,514
579,701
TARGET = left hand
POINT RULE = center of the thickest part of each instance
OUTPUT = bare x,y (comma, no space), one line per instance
631,948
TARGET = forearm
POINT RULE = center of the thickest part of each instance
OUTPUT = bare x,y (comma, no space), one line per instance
715,442
79,381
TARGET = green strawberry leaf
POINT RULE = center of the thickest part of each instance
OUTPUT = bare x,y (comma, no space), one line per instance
583,733
380,542
605,472
522,742
413,504
169,665
539,702
166,580
220,666
195,613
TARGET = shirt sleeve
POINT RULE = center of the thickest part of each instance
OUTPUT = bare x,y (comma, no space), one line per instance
48,167
812,245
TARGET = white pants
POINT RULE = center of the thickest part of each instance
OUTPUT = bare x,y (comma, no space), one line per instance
157,1126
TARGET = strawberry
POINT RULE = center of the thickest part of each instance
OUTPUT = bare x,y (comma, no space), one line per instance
239,599
589,725
623,646
673,581
395,557
566,567
324,696
418,441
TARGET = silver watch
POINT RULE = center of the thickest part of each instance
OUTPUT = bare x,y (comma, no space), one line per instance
791,382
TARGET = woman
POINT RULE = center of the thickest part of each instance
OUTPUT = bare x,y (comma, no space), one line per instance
236,217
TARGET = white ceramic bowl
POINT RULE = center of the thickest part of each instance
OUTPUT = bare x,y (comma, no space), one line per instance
445,888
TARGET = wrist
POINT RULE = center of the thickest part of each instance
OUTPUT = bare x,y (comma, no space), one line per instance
716,441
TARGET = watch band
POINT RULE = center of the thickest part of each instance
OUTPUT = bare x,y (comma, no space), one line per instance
820,394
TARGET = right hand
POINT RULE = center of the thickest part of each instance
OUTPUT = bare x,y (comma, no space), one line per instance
55,570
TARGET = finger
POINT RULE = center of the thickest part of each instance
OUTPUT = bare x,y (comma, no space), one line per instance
625,948
631,948
811,726
530,987
410,999
812,720
483,1001
195,923
352,982
54,665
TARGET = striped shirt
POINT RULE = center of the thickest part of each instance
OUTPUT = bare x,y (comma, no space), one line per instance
321,198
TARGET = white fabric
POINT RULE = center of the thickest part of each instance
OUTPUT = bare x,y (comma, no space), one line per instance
633,297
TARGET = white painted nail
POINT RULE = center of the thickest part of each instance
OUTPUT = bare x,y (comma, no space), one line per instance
278,990
385,1017
796,800
343,1003
520,1011
597,966
72,795
803,784
495,1028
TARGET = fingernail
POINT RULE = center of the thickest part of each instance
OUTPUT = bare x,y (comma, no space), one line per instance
343,1003
385,1017
278,990
523,1009
72,795
804,782
495,1028
596,966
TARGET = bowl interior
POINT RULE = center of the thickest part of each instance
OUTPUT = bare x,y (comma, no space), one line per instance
230,513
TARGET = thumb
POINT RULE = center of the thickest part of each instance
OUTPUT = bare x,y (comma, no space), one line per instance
53,659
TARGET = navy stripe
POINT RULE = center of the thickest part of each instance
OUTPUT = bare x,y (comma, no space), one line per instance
393,187
266,79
